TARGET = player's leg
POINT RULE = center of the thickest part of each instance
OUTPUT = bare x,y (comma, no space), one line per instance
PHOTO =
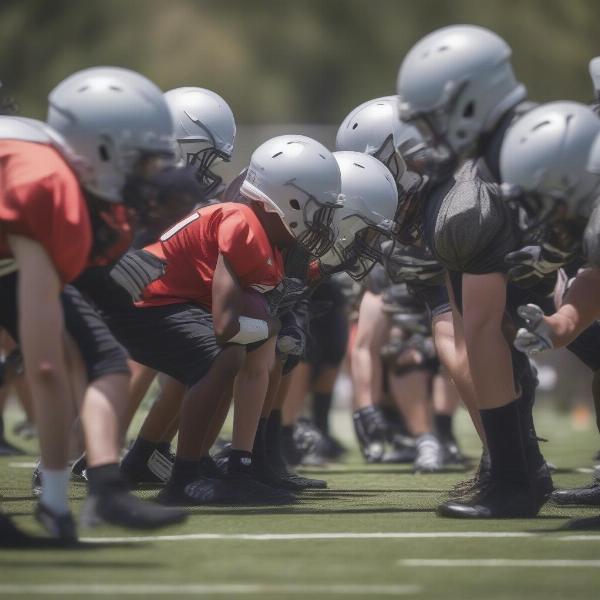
511,491
149,460
367,376
411,391
101,377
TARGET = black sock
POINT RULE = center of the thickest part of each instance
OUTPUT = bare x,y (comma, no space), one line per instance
443,427
259,450
525,404
103,478
321,408
164,448
505,443
273,439
240,462
142,449
185,471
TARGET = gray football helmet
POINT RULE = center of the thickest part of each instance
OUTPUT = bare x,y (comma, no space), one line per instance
545,161
455,84
111,118
297,178
375,128
204,130
594,69
367,217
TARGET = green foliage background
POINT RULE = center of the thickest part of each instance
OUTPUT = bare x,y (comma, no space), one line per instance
282,60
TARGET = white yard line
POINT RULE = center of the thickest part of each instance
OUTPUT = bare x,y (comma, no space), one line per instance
64,589
23,465
309,536
580,538
496,562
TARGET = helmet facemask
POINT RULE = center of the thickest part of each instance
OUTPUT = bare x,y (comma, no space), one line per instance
202,160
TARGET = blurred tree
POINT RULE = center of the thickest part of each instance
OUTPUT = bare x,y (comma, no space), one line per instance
282,60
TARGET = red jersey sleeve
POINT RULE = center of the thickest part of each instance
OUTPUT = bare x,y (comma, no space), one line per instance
41,199
244,243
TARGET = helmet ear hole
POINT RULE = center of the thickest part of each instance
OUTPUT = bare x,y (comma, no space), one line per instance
293,225
103,152
295,204
469,110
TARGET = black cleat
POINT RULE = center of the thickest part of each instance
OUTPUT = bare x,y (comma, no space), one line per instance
588,495
372,432
60,527
8,449
119,507
494,501
469,487
12,537
156,470
584,524
263,472
240,490
543,484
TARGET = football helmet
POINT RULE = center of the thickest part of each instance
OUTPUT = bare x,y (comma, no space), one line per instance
112,118
297,178
375,128
367,217
455,84
545,161
204,130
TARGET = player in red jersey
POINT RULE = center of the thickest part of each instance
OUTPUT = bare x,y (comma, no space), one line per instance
61,211
187,317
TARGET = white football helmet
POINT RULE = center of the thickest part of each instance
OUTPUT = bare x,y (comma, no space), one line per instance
367,217
204,130
299,179
544,161
111,118
455,84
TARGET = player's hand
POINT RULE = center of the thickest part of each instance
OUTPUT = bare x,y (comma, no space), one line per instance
286,295
535,336
411,264
291,340
532,264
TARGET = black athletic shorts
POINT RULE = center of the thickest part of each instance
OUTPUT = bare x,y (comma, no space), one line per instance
101,352
329,330
177,339
435,297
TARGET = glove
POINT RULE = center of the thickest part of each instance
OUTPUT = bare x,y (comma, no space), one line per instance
291,340
531,264
535,336
412,264
286,295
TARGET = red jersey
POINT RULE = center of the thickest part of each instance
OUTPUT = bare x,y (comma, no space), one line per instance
191,249
40,198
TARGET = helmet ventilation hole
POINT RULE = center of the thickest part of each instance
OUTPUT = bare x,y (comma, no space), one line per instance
469,110
322,157
295,204
277,154
355,126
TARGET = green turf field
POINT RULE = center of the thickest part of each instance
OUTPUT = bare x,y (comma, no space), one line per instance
217,552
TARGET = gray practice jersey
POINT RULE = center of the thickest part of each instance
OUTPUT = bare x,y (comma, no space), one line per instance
468,225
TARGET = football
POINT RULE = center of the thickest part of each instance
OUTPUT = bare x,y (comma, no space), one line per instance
255,305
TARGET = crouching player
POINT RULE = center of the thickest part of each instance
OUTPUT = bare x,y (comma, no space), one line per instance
179,303
61,210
